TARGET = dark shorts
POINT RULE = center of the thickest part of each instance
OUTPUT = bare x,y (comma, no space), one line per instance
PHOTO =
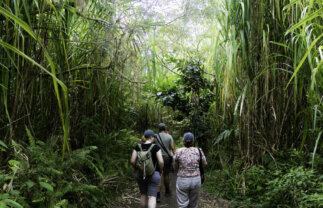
149,186
167,164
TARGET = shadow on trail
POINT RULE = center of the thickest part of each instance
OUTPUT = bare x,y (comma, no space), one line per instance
206,200
169,201
131,198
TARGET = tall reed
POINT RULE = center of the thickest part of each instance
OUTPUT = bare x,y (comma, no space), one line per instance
270,74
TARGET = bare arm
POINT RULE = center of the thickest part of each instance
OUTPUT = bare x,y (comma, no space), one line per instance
172,147
160,160
204,163
203,159
175,162
133,158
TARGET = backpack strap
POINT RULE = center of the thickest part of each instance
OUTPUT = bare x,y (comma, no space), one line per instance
200,163
140,147
160,141
151,146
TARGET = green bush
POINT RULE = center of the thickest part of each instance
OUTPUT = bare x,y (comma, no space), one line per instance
36,175
299,187
288,181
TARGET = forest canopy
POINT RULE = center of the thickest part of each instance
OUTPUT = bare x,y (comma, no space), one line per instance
82,78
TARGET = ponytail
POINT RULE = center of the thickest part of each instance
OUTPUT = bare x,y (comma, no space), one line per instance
143,139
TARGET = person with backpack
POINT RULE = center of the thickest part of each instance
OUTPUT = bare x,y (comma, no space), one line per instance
166,143
188,161
148,162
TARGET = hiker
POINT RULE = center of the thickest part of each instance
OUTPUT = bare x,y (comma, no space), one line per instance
166,143
148,178
188,182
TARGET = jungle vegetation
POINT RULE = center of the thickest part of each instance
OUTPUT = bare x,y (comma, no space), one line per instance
80,81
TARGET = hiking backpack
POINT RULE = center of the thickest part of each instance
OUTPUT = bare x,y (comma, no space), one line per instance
144,162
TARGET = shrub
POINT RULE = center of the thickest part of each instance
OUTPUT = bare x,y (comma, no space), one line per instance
298,187
37,176
288,181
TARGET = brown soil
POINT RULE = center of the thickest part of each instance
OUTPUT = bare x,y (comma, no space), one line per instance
131,198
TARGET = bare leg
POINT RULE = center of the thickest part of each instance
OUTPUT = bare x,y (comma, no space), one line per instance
159,186
151,202
166,181
143,201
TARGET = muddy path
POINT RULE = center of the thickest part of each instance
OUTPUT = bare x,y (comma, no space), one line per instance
131,198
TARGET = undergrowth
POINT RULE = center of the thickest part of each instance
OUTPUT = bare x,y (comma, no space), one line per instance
287,181
36,175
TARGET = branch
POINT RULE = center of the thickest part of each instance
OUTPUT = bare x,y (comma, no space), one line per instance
124,76
86,67
98,68
12,122
77,41
167,23
162,61
102,21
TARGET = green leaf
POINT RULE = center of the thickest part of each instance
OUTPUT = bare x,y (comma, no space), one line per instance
2,205
30,136
315,72
318,13
30,184
19,21
1,85
26,27
280,44
15,193
13,164
4,196
61,203
12,48
46,186
243,97
12,203
38,200
3,144
54,171
316,144
303,59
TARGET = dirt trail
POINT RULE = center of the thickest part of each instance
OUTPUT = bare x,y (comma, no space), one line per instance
131,198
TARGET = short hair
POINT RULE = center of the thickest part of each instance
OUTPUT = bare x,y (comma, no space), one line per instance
161,127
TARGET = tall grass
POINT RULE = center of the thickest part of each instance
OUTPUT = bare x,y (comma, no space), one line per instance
270,74
60,63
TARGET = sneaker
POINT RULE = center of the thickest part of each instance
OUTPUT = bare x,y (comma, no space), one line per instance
158,197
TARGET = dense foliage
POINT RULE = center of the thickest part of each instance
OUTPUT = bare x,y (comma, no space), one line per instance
192,96
37,176
81,79
275,183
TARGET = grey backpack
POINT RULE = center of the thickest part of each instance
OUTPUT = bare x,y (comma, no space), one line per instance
144,162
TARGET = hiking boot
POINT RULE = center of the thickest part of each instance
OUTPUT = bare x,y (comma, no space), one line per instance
158,197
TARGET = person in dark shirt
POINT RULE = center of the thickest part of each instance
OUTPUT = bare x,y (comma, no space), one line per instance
149,186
